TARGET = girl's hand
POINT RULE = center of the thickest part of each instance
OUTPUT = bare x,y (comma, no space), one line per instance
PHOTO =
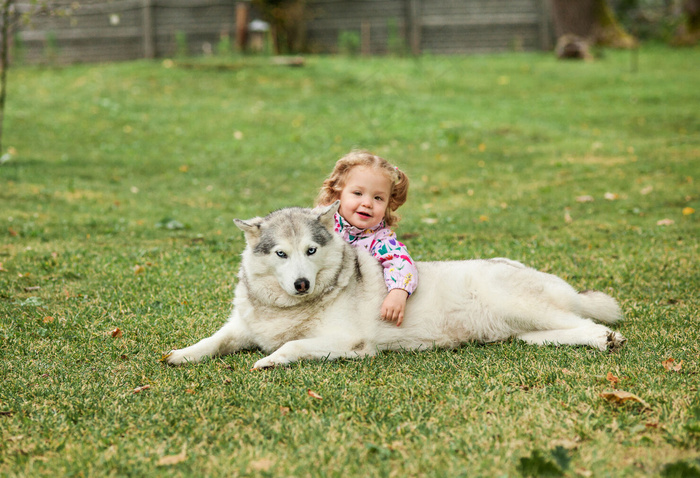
394,306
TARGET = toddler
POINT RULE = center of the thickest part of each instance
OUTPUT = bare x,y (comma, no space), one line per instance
370,190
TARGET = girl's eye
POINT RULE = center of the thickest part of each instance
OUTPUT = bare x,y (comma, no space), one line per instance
281,254
311,251
379,198
357,193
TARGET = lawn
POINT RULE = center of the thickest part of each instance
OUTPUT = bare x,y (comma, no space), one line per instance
117,244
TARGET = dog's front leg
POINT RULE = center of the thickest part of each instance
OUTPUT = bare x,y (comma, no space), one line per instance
232,337
329,348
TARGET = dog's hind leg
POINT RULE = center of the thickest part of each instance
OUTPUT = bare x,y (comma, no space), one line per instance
589,334
230,338
319,348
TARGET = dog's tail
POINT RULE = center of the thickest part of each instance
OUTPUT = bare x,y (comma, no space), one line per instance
597,305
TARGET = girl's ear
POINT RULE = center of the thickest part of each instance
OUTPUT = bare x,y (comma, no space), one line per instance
327,215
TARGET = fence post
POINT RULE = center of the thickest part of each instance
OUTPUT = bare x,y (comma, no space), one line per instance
414,26
544,24
149,39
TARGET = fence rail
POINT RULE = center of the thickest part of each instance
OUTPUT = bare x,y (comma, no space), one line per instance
112,30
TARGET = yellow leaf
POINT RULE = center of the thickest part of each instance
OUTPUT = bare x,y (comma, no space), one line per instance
619,397
687,211
482,147
261,465
174,459
483,218
139,269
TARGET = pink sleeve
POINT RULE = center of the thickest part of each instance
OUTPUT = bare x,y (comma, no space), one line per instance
399,270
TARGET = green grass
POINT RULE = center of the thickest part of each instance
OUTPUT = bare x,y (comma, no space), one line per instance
498,149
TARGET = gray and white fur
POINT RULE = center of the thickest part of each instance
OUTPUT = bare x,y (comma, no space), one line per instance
304,293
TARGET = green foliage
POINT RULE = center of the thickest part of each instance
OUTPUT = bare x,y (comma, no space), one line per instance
116,213
182,49
349,42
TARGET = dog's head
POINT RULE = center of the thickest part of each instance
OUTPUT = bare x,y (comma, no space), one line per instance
291,245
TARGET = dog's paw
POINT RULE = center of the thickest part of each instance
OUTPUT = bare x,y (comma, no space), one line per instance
270,361
175,357
614,341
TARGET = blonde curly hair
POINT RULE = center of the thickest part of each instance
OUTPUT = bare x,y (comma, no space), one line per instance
334,184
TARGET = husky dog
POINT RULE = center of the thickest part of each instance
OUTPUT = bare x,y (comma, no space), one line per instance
304,293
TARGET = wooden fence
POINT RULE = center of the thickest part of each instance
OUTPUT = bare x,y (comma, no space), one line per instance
112,30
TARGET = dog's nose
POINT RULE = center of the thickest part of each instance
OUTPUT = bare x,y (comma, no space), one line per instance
302,285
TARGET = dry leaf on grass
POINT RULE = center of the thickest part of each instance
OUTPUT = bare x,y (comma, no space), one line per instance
619,397
141,389
116,333
612,379
687,211
585,198
174,459
671,365
665,222
313,394
261,465
611,196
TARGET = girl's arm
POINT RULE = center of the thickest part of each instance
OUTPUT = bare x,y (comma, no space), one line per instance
400,272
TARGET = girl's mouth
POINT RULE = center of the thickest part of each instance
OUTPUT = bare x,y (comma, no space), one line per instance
363,214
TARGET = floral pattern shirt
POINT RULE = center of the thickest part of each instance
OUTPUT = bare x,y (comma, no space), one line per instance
399,270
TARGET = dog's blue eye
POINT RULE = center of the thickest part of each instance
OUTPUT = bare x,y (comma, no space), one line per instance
281,254
311,251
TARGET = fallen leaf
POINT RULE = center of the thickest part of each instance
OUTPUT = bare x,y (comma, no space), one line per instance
646,190
2,269
261,465
612,379
174,459
429,220
313,394
189,391
285,410
48,319
139,269
619,397
585,198
611,196
665,222
671,365
141,388
12,232
116,333
567,217
687,211
483,218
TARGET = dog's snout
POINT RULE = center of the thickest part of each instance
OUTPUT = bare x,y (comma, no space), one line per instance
302,285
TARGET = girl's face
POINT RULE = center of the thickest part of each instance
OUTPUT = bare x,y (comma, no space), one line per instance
365,197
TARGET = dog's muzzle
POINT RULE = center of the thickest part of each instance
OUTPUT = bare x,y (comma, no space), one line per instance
302,286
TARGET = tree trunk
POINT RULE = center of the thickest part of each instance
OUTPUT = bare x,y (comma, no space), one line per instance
689,33
589,21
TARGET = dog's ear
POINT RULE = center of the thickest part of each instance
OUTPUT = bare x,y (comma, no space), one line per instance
251,228
327,215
